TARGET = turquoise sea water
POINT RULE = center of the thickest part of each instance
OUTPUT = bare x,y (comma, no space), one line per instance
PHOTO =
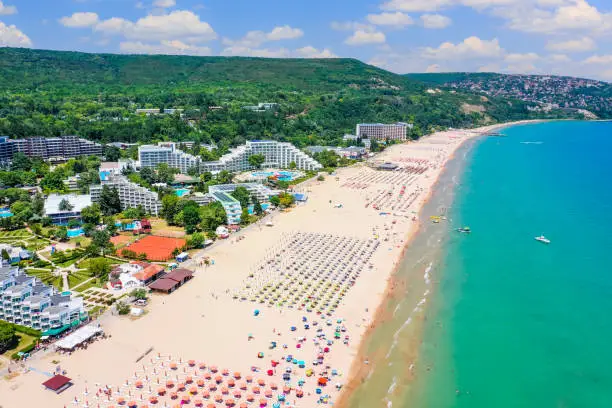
513,322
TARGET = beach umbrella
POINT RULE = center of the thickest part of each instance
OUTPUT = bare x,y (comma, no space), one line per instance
206,394
173,395
198,403
188,379
224,390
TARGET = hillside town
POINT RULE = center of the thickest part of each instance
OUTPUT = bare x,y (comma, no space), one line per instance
550,92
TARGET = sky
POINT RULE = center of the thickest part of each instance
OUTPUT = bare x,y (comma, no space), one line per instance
562,37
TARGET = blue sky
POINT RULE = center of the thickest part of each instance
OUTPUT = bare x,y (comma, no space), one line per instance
571,37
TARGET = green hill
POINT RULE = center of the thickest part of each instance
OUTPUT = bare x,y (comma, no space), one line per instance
96,96
568,93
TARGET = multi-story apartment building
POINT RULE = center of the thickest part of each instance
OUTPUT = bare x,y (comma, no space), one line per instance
131,194
61,216
258,190
232,207
277,154
381,131
167,152
52,148
26,301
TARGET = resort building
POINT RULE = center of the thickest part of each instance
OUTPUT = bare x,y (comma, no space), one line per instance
62,216
261,107
259,191
72,183
232,207
50,148
26,301
15,254
131,194
277,154
380,131
167,152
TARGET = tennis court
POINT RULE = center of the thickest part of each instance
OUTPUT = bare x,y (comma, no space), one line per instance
157,248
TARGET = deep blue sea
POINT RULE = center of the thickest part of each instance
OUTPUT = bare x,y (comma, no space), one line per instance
508,322
514,322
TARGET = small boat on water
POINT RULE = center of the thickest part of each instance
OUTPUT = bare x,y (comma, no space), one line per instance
465,230
543,239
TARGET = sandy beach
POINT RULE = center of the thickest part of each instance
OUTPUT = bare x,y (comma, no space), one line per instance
277,300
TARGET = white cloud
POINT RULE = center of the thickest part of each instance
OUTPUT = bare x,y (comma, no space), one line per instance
312,52
237,50
397,19
173,47
254,39
350,26
415,5
521,58
80,20
7,10
492,67
164,3
472,47
577,45
433,68
571,16
599,59
363,37
435,21
284,33
559,58
11,36
177,25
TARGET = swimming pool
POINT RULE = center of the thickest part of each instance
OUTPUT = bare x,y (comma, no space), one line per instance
75,232
181,192
5,214
127,227
281,175
252,208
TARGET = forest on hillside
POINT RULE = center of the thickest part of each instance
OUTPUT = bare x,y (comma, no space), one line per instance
95,96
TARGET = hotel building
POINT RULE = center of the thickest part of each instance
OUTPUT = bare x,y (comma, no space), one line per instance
277,154
26,301
131,194
50,148
380,131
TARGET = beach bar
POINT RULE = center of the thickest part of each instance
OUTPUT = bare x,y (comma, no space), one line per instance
58,383
172,281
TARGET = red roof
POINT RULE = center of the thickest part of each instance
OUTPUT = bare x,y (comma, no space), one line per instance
57,382
163,284
148,272
140,263
179,274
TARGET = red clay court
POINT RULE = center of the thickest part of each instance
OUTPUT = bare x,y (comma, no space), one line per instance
157,248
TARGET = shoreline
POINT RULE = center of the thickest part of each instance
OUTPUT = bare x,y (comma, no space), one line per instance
359,369
180,324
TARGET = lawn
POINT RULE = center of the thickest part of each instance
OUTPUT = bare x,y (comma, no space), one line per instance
77,278
24,341
93,283
46,276
84,264
161,227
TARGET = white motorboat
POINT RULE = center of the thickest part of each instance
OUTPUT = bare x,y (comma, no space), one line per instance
543,239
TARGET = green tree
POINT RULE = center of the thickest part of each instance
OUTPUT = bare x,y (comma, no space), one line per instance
100,242
139,294
213,215
99,268
7,336
286,200
169,208
123,308
244,216
5,255
275,201
111,225
257,208
110,203
196,240
191,218
65,205
242,195
257,160
21,162
91,214
224,177
165,173
61,234
38,205
292,165
112,153
54,181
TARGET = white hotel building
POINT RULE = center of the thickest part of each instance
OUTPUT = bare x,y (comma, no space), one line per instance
131,194
26,301
277,154
381,131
